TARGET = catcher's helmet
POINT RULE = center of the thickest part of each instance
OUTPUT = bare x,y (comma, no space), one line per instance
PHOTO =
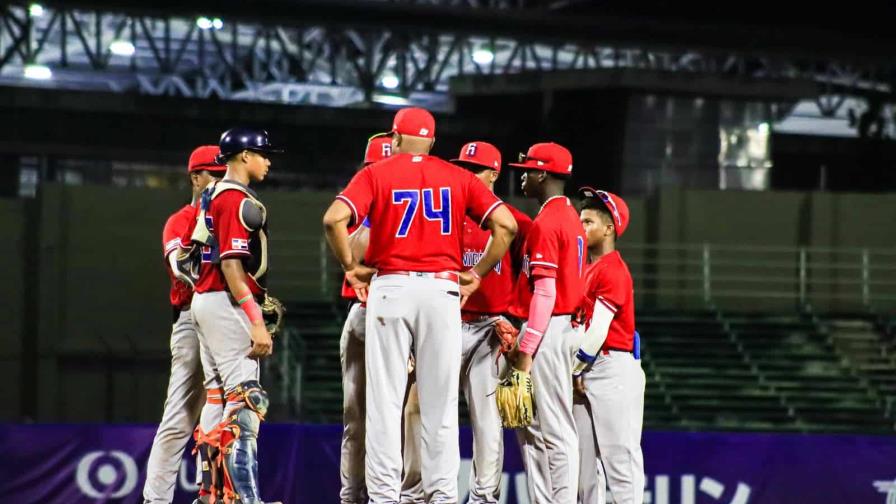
236,140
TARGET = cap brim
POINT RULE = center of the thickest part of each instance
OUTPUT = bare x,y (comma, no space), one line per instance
526,166
587,192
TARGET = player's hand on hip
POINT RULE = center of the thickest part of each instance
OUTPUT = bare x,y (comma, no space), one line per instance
469,282
578,385
358,278
262,344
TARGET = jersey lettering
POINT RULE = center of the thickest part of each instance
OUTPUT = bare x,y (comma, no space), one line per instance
443,213
472,258
205,250
580,244
413,199
430,211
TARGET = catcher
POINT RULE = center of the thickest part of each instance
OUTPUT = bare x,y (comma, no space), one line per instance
231,234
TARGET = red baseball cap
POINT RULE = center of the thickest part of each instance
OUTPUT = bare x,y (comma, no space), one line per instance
203,158
481,154
379,147
414,121
616,206
550,157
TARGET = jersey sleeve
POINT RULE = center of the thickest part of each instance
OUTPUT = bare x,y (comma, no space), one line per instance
171,235
610,289
543,248
481,201
358,195
517,247
233,237
186,234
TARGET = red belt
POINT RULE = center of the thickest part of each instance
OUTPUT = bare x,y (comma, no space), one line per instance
442,275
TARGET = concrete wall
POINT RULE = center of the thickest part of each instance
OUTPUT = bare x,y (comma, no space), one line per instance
12,218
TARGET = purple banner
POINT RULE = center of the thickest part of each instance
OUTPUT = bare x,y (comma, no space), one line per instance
75,464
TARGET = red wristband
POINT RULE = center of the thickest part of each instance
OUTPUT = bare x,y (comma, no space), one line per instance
477,275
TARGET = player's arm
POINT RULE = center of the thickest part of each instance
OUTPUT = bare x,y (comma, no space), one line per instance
541,307
502,225
503,228
235,275
336,221
358,241
594,339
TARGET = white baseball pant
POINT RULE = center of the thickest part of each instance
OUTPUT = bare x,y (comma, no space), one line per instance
592,481
351,356
615,390
478,379
550,446
421,314
182,405
224,344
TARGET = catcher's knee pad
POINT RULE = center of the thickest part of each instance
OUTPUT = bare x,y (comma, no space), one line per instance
239,449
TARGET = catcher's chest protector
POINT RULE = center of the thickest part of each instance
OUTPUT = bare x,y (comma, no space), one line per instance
252,215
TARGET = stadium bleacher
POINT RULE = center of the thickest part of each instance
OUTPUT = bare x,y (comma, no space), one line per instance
706,370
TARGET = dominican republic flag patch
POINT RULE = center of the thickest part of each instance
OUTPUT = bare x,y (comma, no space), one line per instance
239,244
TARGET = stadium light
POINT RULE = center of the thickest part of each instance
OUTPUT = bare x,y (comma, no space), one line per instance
37,72
483,55
389,80
390,99
122,48
35,10
206,23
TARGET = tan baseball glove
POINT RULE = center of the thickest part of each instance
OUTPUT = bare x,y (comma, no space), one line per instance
515,401
272,310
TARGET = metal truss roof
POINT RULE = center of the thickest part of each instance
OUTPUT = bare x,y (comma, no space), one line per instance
343,64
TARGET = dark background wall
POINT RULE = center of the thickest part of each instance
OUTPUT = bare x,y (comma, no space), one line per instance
86,321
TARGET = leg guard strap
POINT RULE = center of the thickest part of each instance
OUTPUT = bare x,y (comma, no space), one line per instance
208,446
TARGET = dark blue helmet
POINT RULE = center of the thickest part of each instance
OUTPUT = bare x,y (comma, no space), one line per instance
236,140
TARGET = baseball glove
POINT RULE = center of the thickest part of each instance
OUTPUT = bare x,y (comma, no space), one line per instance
506,335
514,398
272,310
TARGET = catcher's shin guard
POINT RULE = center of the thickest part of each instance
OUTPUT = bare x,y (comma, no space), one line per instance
238,443
208,446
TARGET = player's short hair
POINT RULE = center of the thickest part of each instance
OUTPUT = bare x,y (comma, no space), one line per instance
600,207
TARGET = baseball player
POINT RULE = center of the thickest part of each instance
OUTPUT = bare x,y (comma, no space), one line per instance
351,356
232,228
554,256
185,397
482,317
416,204
607,373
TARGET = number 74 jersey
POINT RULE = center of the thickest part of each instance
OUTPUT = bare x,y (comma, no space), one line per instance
416,206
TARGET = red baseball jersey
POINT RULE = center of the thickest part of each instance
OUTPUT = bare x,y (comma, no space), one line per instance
223,221
555,247
497,289
416,206
174,229
609,282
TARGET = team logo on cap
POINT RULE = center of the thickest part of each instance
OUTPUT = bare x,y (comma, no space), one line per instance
471,150
387,149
